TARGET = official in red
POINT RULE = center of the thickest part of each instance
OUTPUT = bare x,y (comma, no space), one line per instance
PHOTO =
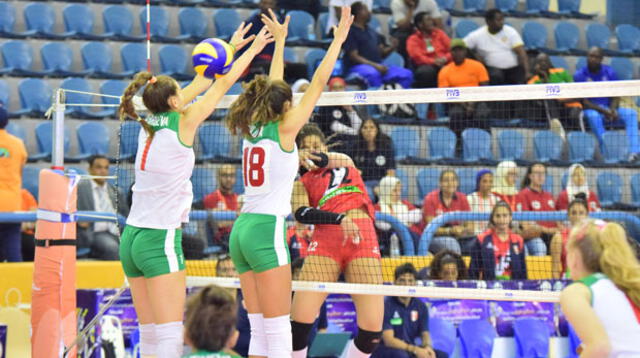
428,49
577,188
498,253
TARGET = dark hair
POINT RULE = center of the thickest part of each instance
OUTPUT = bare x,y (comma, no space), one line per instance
417,20
445,257
578,202
382,140
356,7
261,102
446,171
297,264
500,204
307,130
154,97
210,318
405,268
95,157
491,14
526,181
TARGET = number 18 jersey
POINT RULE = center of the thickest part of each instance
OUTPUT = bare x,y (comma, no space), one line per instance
268,172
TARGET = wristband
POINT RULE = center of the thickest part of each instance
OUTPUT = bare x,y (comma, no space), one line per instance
309,215
322,162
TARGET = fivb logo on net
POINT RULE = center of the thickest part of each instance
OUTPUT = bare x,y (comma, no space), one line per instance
360,97
552,90
452,93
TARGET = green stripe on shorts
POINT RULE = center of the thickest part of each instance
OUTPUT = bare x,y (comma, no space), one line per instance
151,252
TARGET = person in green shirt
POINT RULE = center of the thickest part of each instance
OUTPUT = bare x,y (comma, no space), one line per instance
210,323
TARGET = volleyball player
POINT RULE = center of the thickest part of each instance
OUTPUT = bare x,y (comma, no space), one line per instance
604,305
150,246
264,115
344,241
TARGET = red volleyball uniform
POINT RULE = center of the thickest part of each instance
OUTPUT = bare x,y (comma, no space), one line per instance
532,200
340,190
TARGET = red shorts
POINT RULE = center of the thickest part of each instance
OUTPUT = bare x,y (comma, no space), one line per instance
327,241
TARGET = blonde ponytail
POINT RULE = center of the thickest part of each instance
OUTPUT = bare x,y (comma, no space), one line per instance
619,262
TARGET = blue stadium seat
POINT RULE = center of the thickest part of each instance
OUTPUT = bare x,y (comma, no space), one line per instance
406,143
323,20
312,59
173,62
17,130
383,6
534,36
93,138
134,57
8,21
476,146
609,186
442,143
80,84
112,88
35,97
41,18
548,146
443,335
375,24
224,3
567,36
564,180
78,22
582,147
549,184
623,67
539,8
18,59
193,24
628,38
509,7
598,35
159,26
635,190
446,4
614,147
215,142
30,177
301,29
581,62
226,22
467,180
560,62
427,181
188,3
394,59
45,141
118,23
572,8
510,144
464,27
97,57
474,7
5,92
289,55
57,60
404,179
129,132
476,337
203,181
532,337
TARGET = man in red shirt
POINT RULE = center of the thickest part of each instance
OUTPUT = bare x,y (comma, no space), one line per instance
428,49
223,199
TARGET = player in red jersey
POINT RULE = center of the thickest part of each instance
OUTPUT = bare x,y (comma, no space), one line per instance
333,197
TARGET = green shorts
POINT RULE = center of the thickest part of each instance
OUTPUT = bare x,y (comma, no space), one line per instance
258,242
150,252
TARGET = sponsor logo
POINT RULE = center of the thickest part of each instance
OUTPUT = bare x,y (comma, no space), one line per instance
360,97
453,93
552,90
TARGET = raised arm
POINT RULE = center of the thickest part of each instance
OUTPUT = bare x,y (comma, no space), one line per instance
279,32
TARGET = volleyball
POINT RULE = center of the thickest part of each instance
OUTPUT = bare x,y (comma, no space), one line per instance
212,58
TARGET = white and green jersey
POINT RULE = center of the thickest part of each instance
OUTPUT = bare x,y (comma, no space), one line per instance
617,314
162,193
268,172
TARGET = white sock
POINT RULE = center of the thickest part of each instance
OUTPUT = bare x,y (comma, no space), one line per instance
170,340
301,353
258,343
278,332
354,352
148,339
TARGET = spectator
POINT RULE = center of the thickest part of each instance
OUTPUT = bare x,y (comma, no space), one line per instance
577,188
448,266
340,123
498,253
391,203
597,109
28,227
365,50
533,198
223,199
262,61
300,85
464,72
403,12
334,11
483,199
576,212
310,6
373,152
406,319
504,184
209,323
455,236
101,237
429,50
13,156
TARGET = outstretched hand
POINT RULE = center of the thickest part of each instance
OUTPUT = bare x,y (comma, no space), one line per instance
279,30
263,38
341,31
237,40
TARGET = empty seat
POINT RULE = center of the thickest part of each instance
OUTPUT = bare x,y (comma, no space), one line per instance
79,20
18,59
464,27
572,8
193,24
599,35
30,177
549,184
539,8
467,180
57,60
427,181
406,143
40,18
623,67
559,62
394,59
215,142
118,23
45,141
8,21
446,4
113,89
173,62
159,24
4,94
442,143
35,96
582,147
97,57
301,28
203,181
129,132
510,144
226,22
383,6
134,57
628,38
312,59
17,130
609,185
534,36
93,138
509,7
404,179
532,337
443,335
635,190
614,147
567,36
476,145
476,338
82,85
547,145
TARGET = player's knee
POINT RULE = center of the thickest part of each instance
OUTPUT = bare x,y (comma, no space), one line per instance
258,343
367,341
300,334
148,340
169,338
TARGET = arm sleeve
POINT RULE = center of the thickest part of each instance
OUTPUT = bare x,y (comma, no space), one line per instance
470,40
514,37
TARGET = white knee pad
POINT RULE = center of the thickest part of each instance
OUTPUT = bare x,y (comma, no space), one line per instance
258,343
148,340
278,332
170,340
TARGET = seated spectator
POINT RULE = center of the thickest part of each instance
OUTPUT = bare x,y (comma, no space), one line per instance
577,188
391,203
406,319
576,212
448,266
102,237
311,6
223,199
300,85
262,61
403,13
560,113
498,253
28,228
483,199
455,236
504,183
428,49
365,49
373,152
209,326
464,72
334,11
340,123
533,198
597,109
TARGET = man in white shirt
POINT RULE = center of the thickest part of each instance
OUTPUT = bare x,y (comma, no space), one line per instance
334,10
403,13
96,194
